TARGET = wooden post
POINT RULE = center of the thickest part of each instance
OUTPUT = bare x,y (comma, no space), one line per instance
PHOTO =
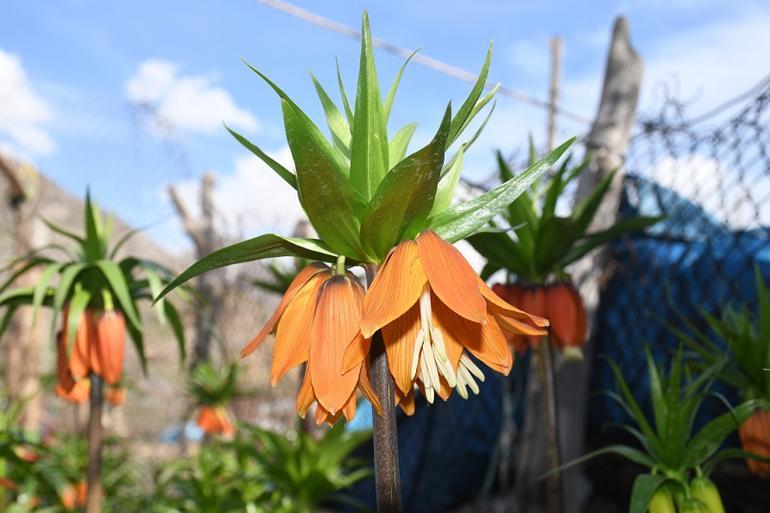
553,91
202,233
608,140
22,357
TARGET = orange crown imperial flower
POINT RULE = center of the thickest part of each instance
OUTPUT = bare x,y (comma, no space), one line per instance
317,318
434,311
214,419
560,302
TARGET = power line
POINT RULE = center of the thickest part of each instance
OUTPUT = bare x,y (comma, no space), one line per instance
423,60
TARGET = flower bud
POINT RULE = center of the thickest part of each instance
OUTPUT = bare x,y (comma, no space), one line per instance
662,502
705,490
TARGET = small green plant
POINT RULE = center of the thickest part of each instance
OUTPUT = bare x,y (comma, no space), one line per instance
679,460
741,347
260,472
307,470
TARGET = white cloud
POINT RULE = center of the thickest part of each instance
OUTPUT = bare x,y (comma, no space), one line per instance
23,114
187,102
251,199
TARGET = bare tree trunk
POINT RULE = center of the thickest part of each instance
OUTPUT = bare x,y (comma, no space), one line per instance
608,141
204,236
24,341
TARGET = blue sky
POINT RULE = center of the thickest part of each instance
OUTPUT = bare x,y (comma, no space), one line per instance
73,74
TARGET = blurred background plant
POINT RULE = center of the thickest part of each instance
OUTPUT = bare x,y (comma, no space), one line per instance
738,342
678,457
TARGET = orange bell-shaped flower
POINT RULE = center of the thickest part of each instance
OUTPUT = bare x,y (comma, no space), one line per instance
215,420
559,302
434,312
317,318
110,346
755,438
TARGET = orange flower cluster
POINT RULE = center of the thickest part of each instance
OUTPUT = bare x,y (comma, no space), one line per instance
317,318
755,438
74,496
99,347
434,312
214,420
559,302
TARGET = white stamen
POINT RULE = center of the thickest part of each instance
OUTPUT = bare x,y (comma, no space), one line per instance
416,353
461,386
468,363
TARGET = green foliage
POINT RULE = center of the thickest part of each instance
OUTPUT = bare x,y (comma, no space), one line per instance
538,243
214,385
45,472
363,192
673,453
738,341
260,471
93,277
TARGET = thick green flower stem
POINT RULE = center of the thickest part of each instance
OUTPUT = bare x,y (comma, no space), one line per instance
550,420
387,480
94,472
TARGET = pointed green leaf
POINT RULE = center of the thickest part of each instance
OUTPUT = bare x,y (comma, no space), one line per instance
156,287
394,87
332,206
405,197
64,232
281,171
338,125
448,183
93,244
369,145
467,107
264,246
501,251
77,306
708,440
172,316
480,105
644,488
41,288
66,280
400,143
344,96
555,236
463,220
117,281
584,212
592,241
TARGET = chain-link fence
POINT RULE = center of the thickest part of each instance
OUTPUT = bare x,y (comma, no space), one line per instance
710,178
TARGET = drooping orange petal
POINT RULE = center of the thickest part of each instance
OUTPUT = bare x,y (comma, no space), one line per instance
305,396
206,419
80,361
111,343
451,277
63,374
356,352
484,341
405,401
116,396
349,410
395,289
497,303
567,314
299,281
365,385
336,323
226,426
400,336
517,327
292,338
